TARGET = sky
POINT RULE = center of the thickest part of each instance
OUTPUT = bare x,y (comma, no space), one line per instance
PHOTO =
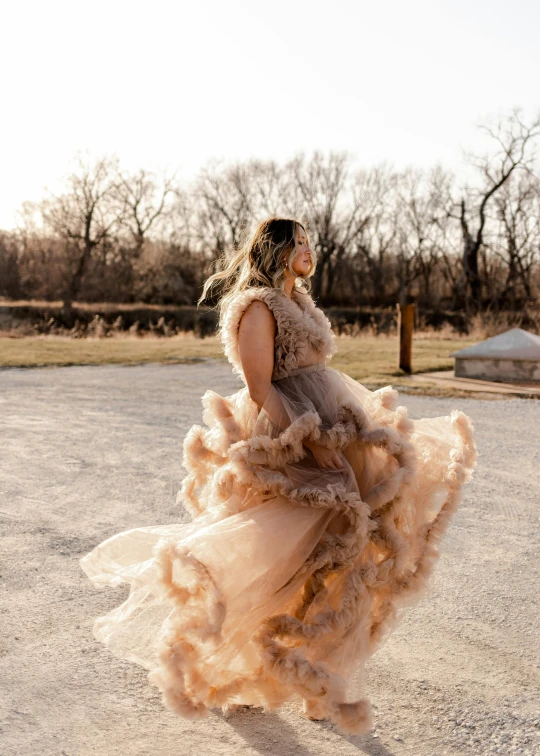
168,86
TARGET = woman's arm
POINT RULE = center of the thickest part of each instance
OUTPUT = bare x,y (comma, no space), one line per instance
256,336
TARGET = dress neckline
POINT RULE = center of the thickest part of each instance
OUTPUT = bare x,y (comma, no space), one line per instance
296,299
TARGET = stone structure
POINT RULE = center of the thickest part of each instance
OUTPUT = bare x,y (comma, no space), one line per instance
510,356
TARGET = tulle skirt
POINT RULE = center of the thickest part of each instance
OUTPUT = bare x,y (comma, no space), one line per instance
289,574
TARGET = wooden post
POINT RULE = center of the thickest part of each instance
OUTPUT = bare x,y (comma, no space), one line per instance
405,332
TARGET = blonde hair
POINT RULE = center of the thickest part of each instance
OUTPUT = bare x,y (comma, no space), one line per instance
259,261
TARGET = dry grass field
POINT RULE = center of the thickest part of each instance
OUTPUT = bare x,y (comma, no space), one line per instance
370,359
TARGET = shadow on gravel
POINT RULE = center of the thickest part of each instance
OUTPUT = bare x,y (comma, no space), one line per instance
269,733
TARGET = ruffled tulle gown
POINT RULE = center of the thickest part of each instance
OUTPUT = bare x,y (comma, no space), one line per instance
289,575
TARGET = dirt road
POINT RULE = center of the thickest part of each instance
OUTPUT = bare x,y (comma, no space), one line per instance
88,451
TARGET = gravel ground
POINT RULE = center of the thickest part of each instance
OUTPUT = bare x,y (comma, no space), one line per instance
89,451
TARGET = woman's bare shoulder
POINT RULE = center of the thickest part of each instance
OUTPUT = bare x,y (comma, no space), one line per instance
258,315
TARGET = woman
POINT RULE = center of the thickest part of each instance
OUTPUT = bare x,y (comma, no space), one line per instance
316,505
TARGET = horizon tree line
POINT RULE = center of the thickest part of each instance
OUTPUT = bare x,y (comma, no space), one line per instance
381,235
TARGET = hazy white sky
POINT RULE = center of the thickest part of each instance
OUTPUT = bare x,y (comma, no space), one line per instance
173,84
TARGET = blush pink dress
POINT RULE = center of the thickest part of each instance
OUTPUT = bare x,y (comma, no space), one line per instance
289,575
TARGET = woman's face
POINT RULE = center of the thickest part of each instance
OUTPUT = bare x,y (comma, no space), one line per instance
302,261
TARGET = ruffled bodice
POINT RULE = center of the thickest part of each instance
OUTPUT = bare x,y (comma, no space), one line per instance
303,332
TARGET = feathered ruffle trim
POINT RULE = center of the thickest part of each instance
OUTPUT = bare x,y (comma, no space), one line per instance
188,685
225,467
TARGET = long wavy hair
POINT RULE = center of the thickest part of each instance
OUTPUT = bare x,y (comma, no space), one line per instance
261,261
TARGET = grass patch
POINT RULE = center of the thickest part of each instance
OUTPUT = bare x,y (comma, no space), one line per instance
60,351
373,359
369,359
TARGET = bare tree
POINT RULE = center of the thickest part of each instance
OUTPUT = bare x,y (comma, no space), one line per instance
144,202
224,206
513,139
272,189
10,282
518,238
374,231
322,183
422,201
84,216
